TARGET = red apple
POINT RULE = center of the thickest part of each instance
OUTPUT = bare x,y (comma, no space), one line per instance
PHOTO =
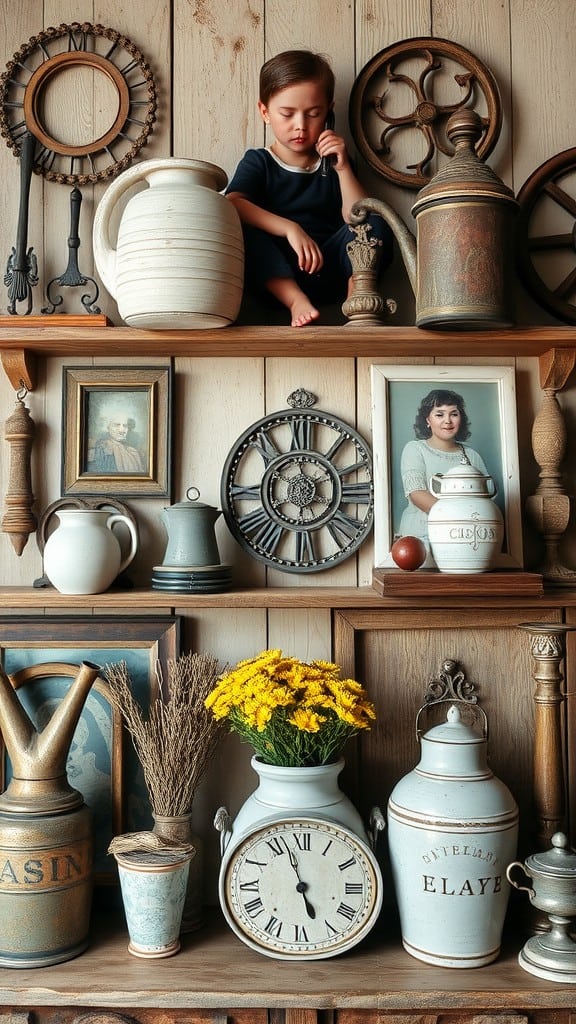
409,553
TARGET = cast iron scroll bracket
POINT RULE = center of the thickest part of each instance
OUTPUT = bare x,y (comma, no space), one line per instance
450,684
72,278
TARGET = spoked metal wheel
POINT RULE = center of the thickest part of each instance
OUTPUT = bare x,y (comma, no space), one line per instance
547,235
402,99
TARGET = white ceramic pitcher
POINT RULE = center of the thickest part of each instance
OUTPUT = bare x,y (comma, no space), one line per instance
82,555
179,258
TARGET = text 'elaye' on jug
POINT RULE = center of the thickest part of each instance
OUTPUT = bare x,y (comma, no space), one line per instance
452,831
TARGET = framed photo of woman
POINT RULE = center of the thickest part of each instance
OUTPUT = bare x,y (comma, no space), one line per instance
422,418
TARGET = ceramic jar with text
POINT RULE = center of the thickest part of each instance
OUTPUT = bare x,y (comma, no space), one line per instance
465,526
452,831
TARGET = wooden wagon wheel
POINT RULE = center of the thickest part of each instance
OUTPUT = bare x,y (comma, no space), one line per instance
380,87
549,196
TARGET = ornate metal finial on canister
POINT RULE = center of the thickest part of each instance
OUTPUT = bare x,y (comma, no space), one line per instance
452,830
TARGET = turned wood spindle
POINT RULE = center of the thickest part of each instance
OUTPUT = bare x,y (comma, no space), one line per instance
549,507
19,521
548,645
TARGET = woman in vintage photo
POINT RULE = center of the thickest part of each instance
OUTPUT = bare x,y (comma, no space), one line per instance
441,427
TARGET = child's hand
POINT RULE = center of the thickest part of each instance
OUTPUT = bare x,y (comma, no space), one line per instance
330,144
309,255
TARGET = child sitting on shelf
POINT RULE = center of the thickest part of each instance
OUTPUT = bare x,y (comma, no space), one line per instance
294,198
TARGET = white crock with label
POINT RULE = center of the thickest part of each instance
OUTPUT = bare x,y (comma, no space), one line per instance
452,831
465,526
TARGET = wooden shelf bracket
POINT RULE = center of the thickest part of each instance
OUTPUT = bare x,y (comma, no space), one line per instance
20,367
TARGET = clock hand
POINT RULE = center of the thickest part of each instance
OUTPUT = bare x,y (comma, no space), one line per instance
301,886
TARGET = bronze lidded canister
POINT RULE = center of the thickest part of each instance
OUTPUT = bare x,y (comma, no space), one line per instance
465,219
46,838
461,262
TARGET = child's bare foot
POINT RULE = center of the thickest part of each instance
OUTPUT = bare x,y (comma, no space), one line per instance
303,313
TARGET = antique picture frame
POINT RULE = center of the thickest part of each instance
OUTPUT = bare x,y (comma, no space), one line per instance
489,393
117,430
41,654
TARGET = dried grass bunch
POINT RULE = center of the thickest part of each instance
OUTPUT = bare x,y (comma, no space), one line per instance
176,740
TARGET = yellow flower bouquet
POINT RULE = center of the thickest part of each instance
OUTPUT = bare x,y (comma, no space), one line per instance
293,713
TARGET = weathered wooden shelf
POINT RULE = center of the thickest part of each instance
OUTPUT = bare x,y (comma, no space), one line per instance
270,597
215,970
23,339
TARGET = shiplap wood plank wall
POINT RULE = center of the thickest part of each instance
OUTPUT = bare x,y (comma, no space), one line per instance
206,57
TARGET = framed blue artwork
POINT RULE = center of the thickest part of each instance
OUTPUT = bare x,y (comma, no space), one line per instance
42,654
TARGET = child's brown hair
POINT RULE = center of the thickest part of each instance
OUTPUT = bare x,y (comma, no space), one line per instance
290,68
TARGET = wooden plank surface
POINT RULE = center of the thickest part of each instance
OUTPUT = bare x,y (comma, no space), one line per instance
378,342
215,969
139,599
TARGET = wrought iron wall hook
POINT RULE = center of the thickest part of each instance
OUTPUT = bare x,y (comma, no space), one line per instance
72,278
22,266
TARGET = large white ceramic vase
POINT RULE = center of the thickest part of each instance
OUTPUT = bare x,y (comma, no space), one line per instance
178,262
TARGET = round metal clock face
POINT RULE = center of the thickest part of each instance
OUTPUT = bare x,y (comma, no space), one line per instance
297,490
301,888
31,100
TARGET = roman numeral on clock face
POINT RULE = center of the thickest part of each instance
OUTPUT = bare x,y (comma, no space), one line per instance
353,888
301,434
303,840
347,864
346,911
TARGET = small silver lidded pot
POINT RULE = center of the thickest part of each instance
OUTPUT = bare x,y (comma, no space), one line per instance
552,888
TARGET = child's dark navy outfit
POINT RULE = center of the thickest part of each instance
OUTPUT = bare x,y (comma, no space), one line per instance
313,201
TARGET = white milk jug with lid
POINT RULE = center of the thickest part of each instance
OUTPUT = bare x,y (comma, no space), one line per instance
452,831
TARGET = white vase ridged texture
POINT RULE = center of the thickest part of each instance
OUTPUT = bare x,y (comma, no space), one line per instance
178,262
83,556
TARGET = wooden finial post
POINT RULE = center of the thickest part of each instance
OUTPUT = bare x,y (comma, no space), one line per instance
19,521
